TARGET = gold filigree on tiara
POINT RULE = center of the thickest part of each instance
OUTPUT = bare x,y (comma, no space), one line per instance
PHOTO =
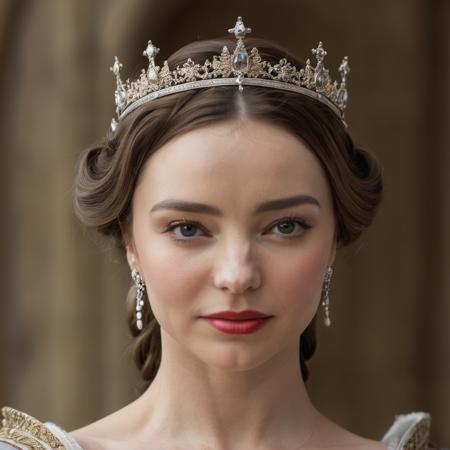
239,68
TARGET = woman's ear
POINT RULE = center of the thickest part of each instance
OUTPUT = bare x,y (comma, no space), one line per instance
131,258
128,244
332,257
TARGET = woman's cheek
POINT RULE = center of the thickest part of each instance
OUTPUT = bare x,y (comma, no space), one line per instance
300,279
170,275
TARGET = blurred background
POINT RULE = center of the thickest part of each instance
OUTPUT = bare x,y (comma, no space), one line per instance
64,352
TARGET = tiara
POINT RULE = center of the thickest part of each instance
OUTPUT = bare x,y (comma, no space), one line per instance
240,68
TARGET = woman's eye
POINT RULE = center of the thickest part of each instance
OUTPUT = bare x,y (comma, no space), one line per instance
287,227
186,230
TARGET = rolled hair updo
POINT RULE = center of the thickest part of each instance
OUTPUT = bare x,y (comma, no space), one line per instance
108,172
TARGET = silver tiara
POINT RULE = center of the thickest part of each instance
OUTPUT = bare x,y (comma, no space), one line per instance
240,68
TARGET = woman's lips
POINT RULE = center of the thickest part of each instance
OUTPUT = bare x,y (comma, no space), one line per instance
238,315
237,326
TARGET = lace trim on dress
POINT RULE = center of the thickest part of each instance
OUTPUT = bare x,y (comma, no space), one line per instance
409,432
68,441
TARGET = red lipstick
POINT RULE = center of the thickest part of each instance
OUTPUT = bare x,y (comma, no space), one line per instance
237,322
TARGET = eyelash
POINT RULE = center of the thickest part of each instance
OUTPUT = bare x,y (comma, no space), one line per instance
172,225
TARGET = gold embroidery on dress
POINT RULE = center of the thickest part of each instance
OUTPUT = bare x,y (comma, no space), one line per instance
24,430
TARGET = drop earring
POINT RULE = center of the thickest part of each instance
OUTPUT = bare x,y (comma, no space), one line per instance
326,295
140,287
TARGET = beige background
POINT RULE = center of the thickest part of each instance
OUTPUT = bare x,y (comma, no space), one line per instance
64,339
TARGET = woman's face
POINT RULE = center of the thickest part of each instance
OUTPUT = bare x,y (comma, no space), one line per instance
211,233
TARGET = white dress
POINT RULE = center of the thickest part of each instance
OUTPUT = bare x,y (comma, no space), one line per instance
22,431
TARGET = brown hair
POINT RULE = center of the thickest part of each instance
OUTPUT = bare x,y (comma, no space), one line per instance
108,172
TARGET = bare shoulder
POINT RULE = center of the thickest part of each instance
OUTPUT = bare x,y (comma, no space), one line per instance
352,443
94,437
87,443
333,436
107,433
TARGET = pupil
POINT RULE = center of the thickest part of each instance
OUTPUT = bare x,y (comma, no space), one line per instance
288,228
187,226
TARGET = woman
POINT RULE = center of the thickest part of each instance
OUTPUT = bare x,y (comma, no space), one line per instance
229,183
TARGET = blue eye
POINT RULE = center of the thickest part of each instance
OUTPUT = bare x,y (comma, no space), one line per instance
187,229
290,226
287,226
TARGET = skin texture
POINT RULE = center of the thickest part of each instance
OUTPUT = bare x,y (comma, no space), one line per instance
215,390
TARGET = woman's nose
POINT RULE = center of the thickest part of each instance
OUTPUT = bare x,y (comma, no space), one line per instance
236,267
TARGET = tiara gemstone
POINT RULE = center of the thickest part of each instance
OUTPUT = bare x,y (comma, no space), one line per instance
239,30
152,76
344,68
319,52
121,96
240,61
321,78
117,66
342,98
151,51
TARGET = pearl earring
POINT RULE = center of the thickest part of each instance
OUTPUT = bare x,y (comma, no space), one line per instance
140,287
326,295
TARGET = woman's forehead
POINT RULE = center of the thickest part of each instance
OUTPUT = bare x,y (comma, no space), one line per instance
235,149
251,159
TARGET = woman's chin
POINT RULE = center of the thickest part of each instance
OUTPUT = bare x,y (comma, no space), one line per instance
234,359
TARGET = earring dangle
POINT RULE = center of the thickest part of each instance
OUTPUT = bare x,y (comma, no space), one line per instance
326,295
140,287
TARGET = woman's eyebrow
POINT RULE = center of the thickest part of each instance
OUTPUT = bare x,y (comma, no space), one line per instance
271,205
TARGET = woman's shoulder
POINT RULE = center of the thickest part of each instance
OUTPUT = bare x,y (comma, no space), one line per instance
410,432
21,431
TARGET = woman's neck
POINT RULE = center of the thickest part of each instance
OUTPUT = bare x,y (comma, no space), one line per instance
227,406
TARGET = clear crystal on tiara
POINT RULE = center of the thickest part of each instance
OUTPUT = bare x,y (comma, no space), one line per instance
116,66
344,68
150,52
239,30
240,60
319,52
320,78
342,97
121,96
152,76
241,67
